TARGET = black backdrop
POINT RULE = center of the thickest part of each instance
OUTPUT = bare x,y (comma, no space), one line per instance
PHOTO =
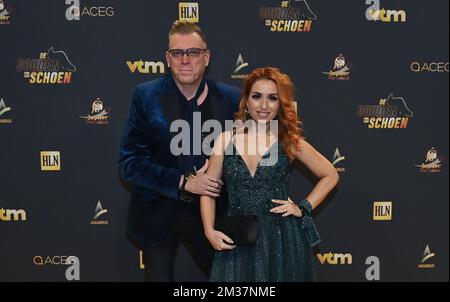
407,59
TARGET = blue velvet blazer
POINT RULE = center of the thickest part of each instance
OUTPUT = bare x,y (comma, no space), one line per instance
145,159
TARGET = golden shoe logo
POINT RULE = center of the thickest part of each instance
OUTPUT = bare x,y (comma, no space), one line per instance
331,258
341,69
382,210
291,16
146,67
427,255
99,114
52,67
50,161
390,113
188,11
374,13
12,215
3,110
433,162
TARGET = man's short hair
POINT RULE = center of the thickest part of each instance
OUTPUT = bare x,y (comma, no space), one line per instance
184,27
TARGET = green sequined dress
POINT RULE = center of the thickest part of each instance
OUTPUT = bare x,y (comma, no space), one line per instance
283,249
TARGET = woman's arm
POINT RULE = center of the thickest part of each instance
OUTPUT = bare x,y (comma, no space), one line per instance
207,203
322,168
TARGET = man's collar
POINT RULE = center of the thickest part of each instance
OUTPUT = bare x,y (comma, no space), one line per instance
169,86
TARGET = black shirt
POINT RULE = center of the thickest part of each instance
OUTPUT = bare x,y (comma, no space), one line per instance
189,110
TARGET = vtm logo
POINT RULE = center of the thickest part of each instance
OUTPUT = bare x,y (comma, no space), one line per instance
12,215
374,13
146,67
333,259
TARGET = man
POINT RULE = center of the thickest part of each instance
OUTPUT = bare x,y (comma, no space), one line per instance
164,208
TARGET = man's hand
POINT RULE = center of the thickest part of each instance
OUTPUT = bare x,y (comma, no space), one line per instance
203,184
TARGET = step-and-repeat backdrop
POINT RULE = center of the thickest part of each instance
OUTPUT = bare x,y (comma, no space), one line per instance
371,83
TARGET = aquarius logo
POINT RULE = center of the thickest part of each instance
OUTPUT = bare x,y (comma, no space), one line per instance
374,13
240,64
99,211
188,11
334,259
427,255
391,113
338,158
341,69
433,162
3,110
292,16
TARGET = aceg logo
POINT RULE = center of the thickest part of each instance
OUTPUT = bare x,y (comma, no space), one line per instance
75,11
439,67
72,272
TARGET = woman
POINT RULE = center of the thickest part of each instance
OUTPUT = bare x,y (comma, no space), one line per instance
286,230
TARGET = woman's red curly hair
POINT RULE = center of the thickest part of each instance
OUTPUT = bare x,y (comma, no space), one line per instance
289,131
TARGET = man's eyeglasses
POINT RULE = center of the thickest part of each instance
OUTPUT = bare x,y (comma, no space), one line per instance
190,52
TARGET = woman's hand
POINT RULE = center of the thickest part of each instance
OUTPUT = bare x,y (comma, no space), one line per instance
286,208
219,240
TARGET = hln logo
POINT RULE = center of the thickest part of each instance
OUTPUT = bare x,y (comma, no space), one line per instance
14,215
331,258
188,11
50,161
382,210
